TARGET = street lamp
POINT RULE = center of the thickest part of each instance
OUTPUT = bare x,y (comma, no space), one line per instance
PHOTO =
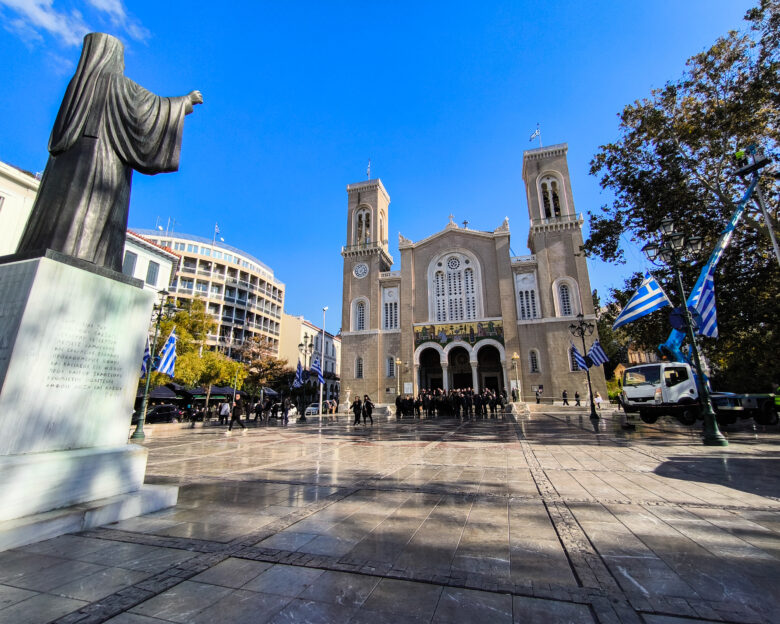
322,361
305,350
582,328
162,310
515,358
673,246
398,363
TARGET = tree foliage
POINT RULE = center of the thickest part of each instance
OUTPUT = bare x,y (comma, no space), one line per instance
675,157
261,366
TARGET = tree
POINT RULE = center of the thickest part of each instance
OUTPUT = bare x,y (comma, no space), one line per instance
262,367
675,157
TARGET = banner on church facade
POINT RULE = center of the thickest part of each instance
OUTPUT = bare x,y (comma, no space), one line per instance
470,333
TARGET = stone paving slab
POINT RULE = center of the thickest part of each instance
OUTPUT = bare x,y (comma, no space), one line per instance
538,518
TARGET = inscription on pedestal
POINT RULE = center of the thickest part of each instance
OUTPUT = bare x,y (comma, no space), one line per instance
84,357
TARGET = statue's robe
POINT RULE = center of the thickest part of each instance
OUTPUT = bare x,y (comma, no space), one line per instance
106,127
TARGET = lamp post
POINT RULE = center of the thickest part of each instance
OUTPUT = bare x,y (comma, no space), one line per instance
305,350
582,328
515,358
673,245
164,309
398,363
322,360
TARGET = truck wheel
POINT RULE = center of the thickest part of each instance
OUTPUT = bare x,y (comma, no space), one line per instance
647,418
688,415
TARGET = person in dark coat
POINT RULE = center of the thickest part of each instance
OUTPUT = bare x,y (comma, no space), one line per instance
357,409
478,405
398,407
577,398
238,409
565,396
368,407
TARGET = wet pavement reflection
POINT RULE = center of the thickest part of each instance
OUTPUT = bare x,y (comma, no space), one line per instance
545,515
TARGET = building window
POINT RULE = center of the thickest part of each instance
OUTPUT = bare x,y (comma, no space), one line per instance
363,226
128,265
391,367
359,368
391,315
455,289
564,294
573,366
527,304
360,316
533,357
152,272
551,200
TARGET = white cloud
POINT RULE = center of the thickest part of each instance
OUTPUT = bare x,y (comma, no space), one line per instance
37,15
59,65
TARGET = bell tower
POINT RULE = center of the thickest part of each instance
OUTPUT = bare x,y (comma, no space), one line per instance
366,258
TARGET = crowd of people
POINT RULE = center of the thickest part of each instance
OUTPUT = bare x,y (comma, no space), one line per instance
456,403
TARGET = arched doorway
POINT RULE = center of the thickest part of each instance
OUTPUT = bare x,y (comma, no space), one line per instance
459,369
490,373
430,369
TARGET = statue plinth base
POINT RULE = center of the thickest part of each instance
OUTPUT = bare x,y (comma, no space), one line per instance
71,340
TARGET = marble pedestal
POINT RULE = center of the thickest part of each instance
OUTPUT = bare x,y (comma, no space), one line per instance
71,340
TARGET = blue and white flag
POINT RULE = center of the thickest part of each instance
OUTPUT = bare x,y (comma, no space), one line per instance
535,134
167,362
315,368
146,359
597,355
649,298
298,381
579,358
704,302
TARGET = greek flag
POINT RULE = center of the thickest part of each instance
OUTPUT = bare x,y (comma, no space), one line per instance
298,381
578,357
315,368
146,359
167,361
649,298
597,355
535,134
704,302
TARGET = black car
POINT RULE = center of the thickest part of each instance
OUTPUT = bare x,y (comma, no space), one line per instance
159,414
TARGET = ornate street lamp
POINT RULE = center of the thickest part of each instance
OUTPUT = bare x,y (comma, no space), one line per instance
161,311
584,328
305,350
398,363
673,245
515,358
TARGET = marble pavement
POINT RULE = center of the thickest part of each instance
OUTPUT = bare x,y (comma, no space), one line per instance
537,518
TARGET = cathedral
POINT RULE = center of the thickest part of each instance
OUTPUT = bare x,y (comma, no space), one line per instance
462,311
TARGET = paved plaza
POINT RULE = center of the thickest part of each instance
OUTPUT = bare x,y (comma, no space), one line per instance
533,518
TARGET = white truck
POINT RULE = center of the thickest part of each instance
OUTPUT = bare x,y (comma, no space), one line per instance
669,388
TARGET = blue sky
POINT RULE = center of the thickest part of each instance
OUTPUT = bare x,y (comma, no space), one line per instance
441,96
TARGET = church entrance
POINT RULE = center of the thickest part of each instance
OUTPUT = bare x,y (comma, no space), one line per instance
490,373
430,370
460,369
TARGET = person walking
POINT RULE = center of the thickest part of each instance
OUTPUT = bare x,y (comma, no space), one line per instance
538,396
576,398
238,409
286,410
368,407
224,412
398,407
357,409
597,401
565,396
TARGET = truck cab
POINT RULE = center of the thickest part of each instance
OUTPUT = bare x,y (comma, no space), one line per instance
663,388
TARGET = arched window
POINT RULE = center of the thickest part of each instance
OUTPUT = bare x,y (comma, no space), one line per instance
564,297
381,234
359,368
455,288
551,197
527,304
363,226
360,315
533,358
573,366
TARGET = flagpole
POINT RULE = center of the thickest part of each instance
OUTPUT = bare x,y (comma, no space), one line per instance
322,359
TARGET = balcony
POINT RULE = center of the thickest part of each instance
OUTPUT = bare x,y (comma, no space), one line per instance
188,269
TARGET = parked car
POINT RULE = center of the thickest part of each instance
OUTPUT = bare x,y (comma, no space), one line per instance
166,413
313,409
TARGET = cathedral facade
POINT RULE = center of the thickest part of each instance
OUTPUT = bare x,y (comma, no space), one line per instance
462,312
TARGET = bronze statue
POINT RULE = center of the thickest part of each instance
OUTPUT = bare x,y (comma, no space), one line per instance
107,126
